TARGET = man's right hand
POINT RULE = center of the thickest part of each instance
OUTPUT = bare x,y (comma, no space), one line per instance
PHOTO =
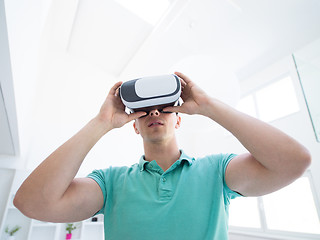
112,112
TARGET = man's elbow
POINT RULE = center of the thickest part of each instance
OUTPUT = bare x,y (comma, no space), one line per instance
303,161
21,203
18,200
26,204
307,158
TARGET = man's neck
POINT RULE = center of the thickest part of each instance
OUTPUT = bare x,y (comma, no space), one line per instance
165,154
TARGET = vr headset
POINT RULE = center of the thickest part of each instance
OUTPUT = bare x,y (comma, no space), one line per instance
143,94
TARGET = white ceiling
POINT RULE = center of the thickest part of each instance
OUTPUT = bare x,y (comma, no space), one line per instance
107,35
243,36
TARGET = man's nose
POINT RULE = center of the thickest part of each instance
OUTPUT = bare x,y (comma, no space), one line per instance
154,112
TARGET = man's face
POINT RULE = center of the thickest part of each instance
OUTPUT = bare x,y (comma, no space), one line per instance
157,125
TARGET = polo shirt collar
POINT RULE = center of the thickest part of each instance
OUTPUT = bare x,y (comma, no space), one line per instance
183,157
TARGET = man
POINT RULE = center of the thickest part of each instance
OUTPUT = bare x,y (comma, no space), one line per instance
168,195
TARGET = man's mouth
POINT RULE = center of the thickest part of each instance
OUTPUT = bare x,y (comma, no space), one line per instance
156,123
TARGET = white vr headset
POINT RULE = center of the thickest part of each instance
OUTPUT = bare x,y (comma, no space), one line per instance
141,93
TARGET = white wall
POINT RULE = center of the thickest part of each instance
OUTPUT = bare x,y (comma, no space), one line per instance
8,120
24,21
6,178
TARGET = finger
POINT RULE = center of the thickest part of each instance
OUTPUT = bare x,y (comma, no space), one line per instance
117,92
174,109
114,89
135,115
183,83
183,77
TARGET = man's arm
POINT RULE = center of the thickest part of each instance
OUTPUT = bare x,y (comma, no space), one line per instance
274,159
51,192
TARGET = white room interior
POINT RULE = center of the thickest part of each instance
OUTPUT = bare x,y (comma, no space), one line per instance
58,60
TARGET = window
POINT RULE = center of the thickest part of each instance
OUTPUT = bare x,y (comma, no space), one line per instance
277,100
244,213
292,208
271,102
247,105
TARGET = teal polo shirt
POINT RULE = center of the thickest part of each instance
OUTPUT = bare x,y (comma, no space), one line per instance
188,201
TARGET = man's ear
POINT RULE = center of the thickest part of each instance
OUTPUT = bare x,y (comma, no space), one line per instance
178,121
135,128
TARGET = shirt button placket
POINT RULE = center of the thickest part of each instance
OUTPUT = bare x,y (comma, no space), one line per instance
165,190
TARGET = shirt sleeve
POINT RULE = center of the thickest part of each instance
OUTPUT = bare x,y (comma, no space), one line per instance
228,193
99,177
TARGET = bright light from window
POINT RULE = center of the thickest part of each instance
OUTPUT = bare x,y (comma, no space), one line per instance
292,209
243,212
277,100
149,10
246,105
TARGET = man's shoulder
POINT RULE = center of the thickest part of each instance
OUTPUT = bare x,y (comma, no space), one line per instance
113,171
209,158
215,157
216,161
122,169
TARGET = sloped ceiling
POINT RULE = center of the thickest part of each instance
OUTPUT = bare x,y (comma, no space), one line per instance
116,31
243,35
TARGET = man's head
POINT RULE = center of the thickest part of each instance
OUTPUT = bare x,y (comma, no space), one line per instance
152,95
157,125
